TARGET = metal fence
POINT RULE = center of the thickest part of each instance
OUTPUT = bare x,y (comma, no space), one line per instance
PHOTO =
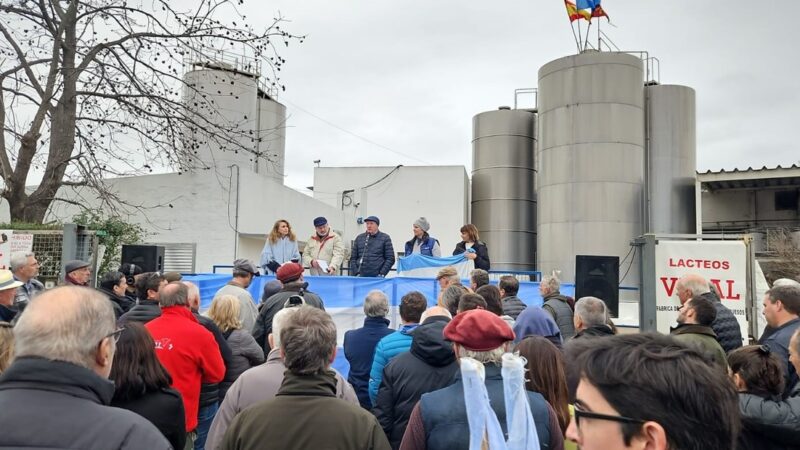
52,251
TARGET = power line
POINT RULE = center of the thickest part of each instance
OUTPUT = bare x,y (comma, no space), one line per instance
329,123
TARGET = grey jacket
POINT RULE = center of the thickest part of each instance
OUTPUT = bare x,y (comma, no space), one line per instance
247,307
556,304
26,292
255,386
246,354
512,306
70,404
780,420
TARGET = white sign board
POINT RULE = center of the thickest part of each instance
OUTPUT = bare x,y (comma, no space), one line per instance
723,263
10,243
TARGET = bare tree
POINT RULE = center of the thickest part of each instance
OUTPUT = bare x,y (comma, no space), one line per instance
783,259
93,89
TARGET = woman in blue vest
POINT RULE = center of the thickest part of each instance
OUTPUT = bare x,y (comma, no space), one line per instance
422,242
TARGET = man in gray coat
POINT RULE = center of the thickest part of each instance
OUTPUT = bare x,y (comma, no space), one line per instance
557,305
244,271
262,383
57,396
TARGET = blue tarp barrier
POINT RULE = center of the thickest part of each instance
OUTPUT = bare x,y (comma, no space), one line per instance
344,297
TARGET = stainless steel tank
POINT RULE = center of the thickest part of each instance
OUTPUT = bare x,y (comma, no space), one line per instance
591,155
671,159
503,202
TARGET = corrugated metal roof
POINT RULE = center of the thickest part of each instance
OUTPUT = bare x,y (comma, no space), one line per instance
765,177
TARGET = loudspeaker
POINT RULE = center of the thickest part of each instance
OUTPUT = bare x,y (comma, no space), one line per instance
598,276
149,257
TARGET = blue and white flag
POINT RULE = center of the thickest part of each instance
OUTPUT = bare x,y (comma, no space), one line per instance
419,266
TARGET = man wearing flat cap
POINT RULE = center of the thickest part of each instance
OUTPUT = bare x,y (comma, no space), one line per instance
77,273
324,251
294,289
373,254
439,420
243,273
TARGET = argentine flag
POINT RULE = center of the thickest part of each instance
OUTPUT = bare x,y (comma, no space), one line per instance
418,266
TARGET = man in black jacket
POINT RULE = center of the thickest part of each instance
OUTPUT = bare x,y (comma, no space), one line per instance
147,286
373,254
512,305
58,396
591,318
428,366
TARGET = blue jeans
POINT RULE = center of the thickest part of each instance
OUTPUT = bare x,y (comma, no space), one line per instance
204,418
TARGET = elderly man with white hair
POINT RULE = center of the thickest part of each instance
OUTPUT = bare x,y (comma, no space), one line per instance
591,318
359,345
56,393
557,305
262,383
25,268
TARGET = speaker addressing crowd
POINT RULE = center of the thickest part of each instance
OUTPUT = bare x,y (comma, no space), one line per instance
253,376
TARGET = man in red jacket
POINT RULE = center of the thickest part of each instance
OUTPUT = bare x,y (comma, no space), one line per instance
186,349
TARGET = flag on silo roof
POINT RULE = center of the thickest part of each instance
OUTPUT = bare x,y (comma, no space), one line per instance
572,11
585,8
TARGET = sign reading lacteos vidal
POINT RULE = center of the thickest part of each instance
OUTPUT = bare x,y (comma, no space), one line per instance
723,263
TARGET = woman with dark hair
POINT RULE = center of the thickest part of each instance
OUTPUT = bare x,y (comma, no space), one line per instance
472,247
114,286
545,374
768,422
281,247
142,384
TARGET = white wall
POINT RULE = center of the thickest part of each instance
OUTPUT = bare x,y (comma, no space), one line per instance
439,193
199,208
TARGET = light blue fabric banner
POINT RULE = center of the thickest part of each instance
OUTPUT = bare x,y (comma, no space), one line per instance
419,266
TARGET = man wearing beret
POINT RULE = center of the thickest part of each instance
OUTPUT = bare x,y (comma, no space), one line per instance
373,254
439,420
77,273
325,245
291,275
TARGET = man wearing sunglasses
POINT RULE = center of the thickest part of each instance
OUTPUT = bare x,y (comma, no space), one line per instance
648,391
57,396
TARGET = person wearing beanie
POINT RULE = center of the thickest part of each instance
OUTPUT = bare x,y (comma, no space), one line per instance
77,273
372,254
422,243
439,419
324,252
291,275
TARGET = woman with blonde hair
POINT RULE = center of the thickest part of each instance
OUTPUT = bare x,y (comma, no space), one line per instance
472,247
224,311
280,248
6,345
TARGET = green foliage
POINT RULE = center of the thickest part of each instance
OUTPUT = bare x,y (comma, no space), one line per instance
23,226
112,232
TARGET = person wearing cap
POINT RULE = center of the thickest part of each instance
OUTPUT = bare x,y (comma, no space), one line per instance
77,273
243,273
439,420
25,268
291,275
422,243
8,289
372,254
280,248
324,245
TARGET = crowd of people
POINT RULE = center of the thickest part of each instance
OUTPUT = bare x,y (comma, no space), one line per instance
134,364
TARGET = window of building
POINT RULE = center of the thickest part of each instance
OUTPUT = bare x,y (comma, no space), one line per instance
786,200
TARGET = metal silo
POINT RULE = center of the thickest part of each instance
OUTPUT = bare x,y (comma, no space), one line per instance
503,201
591,155
671,158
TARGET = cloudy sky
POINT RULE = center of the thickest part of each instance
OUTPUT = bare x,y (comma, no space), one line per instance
386,83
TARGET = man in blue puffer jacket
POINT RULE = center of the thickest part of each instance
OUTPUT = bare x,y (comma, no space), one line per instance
373,254
412,305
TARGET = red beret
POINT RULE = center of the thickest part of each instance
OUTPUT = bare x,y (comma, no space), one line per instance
289,272
478,330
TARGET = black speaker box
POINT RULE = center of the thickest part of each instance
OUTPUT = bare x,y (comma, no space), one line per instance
598,276
149,257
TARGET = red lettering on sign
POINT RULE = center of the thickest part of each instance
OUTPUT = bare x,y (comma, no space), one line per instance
727,292
671,286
